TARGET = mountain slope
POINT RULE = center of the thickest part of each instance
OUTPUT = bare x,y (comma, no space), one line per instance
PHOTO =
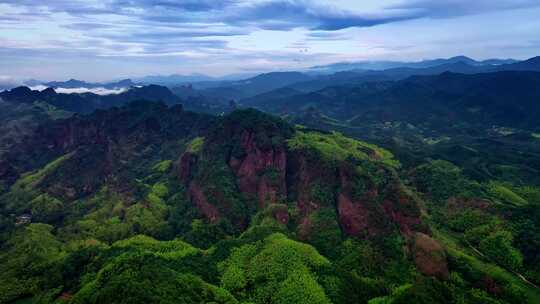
242,208
532,64
88,102
263,155
251,86
74,84
24,109
385,65
501,98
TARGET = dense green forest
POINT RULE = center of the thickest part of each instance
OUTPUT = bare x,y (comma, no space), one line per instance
151,204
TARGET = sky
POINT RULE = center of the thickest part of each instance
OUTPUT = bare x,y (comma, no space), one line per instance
99,40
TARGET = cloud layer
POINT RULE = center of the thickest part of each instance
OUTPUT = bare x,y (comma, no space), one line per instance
98,91
78,33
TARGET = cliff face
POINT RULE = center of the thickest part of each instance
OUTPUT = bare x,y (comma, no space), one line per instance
262,168
367,195
260,172
241,168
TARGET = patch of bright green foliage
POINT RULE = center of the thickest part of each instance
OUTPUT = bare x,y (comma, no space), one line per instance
162,166
196,145
31,263
334,147
277,270
503,193
441,180
46,209
21,195
160,189
30,180
52,111
474,268
144,270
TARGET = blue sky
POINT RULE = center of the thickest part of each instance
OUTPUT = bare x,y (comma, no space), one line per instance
110,39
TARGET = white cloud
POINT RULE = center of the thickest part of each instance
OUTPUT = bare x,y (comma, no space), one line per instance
98,91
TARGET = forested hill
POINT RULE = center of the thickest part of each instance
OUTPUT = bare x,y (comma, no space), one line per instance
149,203
507,99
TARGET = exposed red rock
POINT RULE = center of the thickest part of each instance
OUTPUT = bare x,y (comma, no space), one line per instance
429,256
305,175
491,286
200,200
356,213
353,217
281,214
251,170
456,204
304,228
403,209
185,166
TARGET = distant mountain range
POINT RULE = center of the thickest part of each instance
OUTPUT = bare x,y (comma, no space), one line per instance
23,109
474,92
384,65
177,79
174,79
88,102
73,83
506,98
310,82
241,86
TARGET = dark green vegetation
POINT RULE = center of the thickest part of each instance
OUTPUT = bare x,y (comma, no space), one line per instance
88,102
485,123
151,204
22,110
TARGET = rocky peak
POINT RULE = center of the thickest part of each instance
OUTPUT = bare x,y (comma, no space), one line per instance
254,149
19,94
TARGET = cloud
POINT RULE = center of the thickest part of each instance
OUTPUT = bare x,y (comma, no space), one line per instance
185,5
326,36
97,91
333,23
8,82
283,15
87,26
269,14
453,8
147,35
264,14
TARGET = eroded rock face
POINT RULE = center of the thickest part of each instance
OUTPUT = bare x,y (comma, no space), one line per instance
266,175
403,209
429,256
199,199
261,171
266,172
185,165
356,212
281,214
306,177
456,204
